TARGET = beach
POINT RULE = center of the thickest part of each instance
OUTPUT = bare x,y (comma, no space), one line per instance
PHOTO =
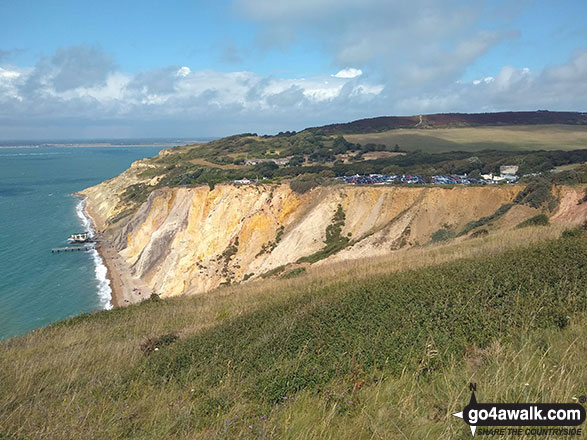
124,288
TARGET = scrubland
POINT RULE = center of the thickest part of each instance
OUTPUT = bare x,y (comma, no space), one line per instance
383,348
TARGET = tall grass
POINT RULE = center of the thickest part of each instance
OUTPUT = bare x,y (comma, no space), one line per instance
347,351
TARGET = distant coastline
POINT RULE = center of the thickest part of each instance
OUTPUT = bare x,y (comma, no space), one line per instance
87,145
102,143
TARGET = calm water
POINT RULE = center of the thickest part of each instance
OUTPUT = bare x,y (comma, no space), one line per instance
37,212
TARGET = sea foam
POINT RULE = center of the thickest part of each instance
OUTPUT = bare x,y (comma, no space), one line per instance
104,289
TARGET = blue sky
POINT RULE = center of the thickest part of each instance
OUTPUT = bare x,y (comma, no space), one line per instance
213,68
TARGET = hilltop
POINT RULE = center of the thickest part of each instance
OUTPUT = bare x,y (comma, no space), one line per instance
453,120
314,157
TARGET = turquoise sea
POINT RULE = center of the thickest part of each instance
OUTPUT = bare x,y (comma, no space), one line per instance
37,212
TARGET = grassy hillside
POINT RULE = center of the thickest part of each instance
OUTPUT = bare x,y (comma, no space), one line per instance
426,145
387,356
452,120
474,139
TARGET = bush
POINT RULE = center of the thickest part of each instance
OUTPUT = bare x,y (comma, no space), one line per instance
536,193
155,343
304,183
334,241
576,232
484,220
294,272
479,233
537,220
573,233
443,234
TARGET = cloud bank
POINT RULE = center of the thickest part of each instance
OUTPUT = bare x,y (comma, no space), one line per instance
386,58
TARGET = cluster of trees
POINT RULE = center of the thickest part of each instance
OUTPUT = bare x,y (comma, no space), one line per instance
303,146
426,164
318,155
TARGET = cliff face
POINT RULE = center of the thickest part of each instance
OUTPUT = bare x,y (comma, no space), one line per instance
192,239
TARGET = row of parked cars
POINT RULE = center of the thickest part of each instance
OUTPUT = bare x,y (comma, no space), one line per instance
383,179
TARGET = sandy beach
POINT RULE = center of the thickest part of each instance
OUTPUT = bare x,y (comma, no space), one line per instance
126,288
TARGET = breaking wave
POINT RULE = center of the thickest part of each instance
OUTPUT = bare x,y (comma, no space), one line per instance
104,289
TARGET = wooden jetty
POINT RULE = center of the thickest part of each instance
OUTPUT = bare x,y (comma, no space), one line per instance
72,249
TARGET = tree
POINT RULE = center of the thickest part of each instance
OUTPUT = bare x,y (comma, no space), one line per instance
265,169
296,161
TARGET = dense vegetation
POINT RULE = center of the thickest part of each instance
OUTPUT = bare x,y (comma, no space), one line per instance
314,159
318,154
333,347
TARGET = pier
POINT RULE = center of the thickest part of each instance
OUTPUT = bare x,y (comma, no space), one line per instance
72,249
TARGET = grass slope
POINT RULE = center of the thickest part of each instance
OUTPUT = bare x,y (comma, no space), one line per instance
384,357
474,139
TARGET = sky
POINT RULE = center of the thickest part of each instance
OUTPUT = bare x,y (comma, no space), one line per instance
116,69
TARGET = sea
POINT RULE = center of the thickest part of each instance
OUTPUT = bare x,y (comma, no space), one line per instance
38,212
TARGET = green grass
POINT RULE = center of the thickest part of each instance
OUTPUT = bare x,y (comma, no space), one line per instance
474,139
384,357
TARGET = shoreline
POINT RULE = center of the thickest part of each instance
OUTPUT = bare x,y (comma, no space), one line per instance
124,287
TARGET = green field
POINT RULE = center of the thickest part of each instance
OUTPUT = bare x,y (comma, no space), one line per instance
388,356
513,138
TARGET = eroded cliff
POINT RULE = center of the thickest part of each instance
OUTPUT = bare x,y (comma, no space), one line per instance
193,239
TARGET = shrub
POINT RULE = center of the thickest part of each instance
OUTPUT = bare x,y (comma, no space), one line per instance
537,220
334,241
443,234
294,272
573,233
576,232
536,193
273,272
304,183
155,343
479,233
484,220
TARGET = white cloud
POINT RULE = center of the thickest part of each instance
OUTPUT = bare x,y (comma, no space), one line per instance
350,72
8,74
486,80
183,71
177,100
9,80
421,43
